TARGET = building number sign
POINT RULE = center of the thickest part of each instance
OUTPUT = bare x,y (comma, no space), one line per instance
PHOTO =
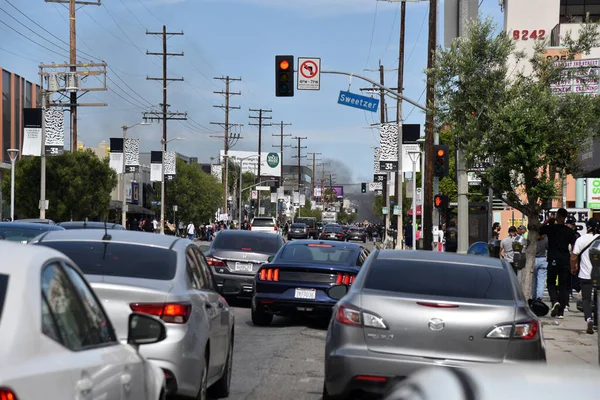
526,34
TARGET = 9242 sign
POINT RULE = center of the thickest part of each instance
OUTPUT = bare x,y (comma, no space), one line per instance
526,34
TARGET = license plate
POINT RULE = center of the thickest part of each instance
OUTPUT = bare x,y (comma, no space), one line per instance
244,267
306,294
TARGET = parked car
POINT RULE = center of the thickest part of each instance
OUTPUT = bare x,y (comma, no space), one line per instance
499,382
311,224
59,342
167,277
90,225
411,309
264,224
236,255
36,221
24,231
333,232
356,233
296,280
298,231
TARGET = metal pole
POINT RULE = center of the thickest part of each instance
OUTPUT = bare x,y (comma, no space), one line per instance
43,158
240,191
162,189
414,216
124,201
12,188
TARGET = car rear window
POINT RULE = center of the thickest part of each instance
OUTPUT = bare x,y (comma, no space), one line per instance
440,279
3,290
245,242
20,234
299,226
332,229
262,222
119,259
319,253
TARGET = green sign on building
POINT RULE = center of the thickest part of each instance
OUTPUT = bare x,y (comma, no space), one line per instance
273,160
593,193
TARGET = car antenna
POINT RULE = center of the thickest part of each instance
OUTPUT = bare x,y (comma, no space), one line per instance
106,235
85,223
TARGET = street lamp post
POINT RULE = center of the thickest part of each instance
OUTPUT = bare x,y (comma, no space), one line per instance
240,188
124,201
12,153
162,183
414,157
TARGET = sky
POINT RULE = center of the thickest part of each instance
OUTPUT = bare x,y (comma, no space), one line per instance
236,38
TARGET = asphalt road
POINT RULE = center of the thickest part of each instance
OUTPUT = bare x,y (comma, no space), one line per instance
282,361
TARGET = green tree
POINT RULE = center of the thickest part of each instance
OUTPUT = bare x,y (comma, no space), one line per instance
197,194
307,212
514,118
330,195
78,185
346,218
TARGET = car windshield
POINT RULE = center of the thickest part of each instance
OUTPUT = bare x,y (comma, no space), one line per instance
245,242
3,291
119,259
431,278
262,222
318,253
300,226
332,229
20,234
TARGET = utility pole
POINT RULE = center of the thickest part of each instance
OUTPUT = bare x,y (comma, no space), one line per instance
386,185
299,157
165,80
427,209
226,125
73,59
399,189
281,147
261,117
314,165
322,183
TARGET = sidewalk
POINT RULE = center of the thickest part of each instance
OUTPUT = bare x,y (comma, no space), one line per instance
566,340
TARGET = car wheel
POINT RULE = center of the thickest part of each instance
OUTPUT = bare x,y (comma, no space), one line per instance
261,318
221,388
202,392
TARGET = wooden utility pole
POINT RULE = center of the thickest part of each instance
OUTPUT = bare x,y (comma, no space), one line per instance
427,209
299,157
226,125
281,147
314,165
399,192
73,59
165,79
261,117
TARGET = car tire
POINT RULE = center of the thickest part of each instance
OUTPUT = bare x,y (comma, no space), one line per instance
261,318
222,387
203,391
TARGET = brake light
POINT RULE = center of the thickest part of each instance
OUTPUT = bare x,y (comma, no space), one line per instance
436,305
371,378
269,274
274,227
215,262
345,279
356,317
175,313
525,331
7,394
250,228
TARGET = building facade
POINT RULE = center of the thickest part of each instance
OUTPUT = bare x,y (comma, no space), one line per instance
17,93
290,179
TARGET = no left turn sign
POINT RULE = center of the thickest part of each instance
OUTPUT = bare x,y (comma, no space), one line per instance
309,73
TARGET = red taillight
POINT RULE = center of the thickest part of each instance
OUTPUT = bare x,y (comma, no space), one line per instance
175,313
250,228
371,378
436,305
523,330
215,262
274,227
7,394
269,274
348,316
345,279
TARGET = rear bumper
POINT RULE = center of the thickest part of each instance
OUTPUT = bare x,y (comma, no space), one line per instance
298,235
273,304
245,283
357,238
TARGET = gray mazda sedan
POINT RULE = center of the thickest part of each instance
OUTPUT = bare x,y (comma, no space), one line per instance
411,309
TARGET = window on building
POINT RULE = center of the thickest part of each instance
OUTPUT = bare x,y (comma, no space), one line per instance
574,11
6,115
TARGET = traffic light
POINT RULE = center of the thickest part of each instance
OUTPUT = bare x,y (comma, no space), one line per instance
363,187
440,160
284,76
252,204
440,201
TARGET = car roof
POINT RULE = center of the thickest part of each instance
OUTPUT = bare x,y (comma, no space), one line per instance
327,242
263,218
88,223
37,220
241,232
120,236
31,225
18,257
441,257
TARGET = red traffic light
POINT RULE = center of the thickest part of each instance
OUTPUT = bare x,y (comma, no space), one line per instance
438,201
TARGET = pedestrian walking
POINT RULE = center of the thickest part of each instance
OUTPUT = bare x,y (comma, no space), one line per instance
506,248
541,268
191,231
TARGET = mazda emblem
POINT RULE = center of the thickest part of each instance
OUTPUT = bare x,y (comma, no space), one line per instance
436,324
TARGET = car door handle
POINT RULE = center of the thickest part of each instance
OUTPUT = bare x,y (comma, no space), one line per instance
84,385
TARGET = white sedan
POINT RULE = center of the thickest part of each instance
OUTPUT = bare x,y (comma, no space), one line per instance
58,343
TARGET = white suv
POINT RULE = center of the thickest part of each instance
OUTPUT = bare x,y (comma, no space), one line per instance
264,224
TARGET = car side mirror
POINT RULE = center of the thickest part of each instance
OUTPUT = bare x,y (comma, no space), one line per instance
271,258
145,329
336,292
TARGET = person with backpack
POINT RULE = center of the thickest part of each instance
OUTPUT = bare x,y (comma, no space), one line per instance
451,237
582,266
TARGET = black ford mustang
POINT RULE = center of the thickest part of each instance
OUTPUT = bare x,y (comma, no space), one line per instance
296,280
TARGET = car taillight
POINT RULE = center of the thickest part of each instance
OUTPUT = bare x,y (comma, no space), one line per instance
215,262
523,330
7,394
175,313
274,227
250,228
356,317
345,279
269,274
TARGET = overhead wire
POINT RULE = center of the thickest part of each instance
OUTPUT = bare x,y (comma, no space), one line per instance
372,33
33,41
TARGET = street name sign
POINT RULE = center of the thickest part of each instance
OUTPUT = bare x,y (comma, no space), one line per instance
358,101
309,73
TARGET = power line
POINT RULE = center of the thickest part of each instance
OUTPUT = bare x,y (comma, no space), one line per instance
31,40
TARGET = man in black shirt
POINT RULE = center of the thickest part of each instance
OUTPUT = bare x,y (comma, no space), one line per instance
560,237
